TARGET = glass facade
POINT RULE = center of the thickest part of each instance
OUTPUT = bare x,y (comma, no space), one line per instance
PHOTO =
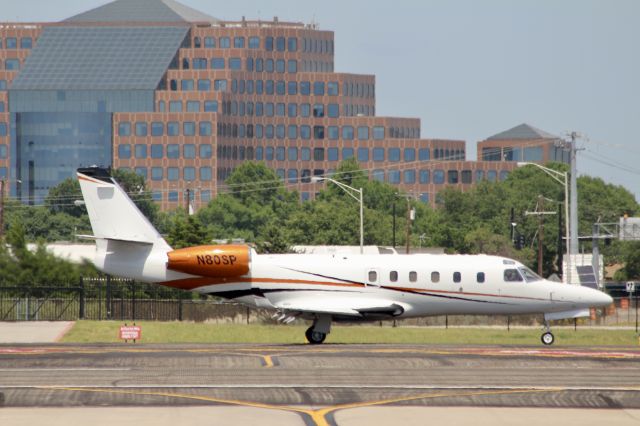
48,148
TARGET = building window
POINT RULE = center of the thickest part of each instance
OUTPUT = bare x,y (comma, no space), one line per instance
173,128
347,132
424,154
156,173
11,64
205,150
318,88
332,154
292,132
305,88
141,128
378,175
238,42
224,42
189,128
205,128
394,154
235,64
173,151
280,65
204,84
305,132
26,43
466,176
189,150
409,176
409,154
209,42
504,174
292,66
292,44
157,128
141,171
438,177
424,176
363,154
157,151
479,175
333,110
378,132
492,175
318,154
173,173
193,106
217,63
332,88
254,42
394,176
378,154
186,84
210,106
363,133
347,153
173,195
189,174
140,151
280,44
3,151
175,106
11,43
124,151
305,154
124,128
424,197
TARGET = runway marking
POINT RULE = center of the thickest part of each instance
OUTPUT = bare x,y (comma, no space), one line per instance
66,369
264,352
319,417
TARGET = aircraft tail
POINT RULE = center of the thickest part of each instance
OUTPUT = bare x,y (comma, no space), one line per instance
127,244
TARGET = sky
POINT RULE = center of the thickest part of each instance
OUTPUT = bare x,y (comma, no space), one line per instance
470,69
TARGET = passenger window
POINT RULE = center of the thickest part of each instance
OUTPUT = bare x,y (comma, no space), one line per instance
373,276
480,277
413,276
512,275
435,277
457,277
393,276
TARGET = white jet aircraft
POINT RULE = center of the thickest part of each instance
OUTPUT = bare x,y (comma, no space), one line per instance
323,288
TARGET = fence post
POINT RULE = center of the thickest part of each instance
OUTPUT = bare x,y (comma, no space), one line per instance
133,300
180,307
108,299
82,299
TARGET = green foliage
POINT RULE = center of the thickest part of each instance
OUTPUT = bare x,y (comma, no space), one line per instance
186,231
61,198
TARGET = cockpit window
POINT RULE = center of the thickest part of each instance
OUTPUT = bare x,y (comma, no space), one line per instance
511,275
529,275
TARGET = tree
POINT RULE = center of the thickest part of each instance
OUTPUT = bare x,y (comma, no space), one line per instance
61,198
186,231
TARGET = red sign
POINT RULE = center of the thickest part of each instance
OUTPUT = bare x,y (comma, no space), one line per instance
130,332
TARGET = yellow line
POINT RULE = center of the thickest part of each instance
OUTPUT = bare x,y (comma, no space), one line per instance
267,361
318,416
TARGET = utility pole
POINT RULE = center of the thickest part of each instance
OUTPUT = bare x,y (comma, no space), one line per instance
408,224
394,224
573,204
540,213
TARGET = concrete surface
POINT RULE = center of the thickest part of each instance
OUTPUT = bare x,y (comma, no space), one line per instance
33,331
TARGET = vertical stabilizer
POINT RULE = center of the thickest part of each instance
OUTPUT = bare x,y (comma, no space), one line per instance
112,214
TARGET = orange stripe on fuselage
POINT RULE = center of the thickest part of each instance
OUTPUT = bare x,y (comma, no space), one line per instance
192,283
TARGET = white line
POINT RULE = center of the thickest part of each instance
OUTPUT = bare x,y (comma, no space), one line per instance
323,386
66,369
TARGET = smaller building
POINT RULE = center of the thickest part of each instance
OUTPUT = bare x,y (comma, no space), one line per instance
523,143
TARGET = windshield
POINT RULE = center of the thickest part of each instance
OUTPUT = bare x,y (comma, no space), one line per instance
529,275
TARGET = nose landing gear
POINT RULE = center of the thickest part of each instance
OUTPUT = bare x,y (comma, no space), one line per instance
547,337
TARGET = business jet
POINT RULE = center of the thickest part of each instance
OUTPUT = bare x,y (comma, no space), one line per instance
323,288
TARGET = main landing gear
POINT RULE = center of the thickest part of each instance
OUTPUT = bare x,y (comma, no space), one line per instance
547,337
319,330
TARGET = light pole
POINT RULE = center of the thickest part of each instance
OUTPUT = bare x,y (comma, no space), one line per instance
563,179
354,193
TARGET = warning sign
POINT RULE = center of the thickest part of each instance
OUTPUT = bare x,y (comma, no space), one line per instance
130,332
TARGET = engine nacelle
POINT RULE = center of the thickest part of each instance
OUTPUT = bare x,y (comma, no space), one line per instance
211,261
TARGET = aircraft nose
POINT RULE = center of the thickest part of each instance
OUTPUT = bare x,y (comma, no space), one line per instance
599,299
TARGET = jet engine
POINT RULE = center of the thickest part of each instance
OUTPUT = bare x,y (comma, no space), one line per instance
211,261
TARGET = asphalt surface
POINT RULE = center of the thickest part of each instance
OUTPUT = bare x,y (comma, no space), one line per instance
329,384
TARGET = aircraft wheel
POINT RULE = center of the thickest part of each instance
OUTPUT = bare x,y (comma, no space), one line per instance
314,337
547,338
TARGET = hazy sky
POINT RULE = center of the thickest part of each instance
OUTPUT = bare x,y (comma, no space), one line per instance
468,68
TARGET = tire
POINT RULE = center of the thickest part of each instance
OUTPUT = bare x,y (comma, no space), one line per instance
314,337
547,338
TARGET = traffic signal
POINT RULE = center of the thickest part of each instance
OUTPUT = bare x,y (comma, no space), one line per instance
520,242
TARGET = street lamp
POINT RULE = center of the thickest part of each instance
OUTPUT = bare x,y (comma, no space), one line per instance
351,191
563,179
